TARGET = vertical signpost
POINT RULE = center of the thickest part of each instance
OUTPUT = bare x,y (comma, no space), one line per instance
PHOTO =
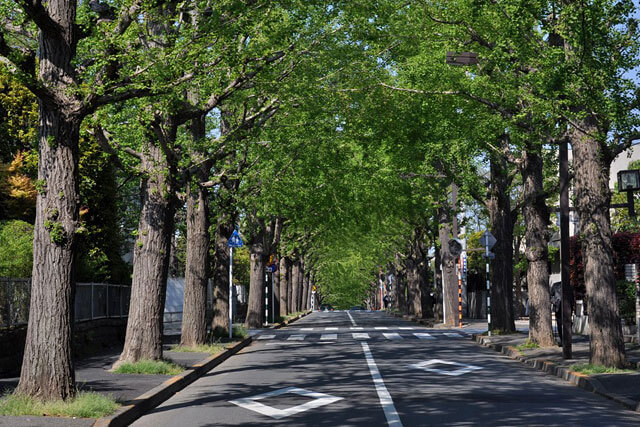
271,267
455,247
235,241
488,240
313,298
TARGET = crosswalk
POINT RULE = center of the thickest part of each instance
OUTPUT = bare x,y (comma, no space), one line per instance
371,335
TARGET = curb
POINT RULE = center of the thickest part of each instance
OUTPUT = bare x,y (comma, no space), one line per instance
581,380
154,397
287,322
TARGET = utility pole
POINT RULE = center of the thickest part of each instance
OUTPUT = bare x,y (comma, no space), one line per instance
564,249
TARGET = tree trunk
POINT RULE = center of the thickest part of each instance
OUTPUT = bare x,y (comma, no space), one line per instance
194,322
255,310
284,285
499,206
536,218
305,292
437,288
47,367
592,195
220,315
290,280
449,277
295,289
150,260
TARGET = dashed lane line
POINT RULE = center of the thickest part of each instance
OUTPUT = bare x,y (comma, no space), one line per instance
393,419
353,322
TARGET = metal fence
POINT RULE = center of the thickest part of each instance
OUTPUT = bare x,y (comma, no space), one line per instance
93,301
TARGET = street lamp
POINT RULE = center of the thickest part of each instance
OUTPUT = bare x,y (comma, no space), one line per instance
629,181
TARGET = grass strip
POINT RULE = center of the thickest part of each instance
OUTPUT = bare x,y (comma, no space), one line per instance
590,369
84,405
527,345
149,367
204,348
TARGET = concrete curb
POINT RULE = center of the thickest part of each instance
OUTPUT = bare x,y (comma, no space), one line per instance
154,397
576,378
288,322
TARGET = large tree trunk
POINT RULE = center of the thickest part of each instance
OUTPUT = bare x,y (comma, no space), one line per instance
449,277
255,310
437,288
305,292
285,280
295,289
536,218
220,318
414,295
47,367
290,280
194,322
150,260
499,206
592,195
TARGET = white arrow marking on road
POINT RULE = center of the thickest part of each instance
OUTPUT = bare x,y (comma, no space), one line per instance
392,336
319,399
360,336
329,337
296,337
424,336
393,419
266,337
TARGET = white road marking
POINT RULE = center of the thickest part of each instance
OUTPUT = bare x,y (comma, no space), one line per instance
298,337
381,327
453,334
284,343
356,328
329,337
392,336
424,336
331,329
252,404
306,329
360,336
426,366
393,419
353,322
266,337
406,328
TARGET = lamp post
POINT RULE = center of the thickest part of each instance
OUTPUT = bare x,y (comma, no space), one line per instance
628,181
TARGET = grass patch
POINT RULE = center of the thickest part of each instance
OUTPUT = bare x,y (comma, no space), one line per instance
149,367
84,405
239,331
527,345
589,369
212,348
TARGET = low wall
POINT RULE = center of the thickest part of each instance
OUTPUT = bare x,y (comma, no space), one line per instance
89,337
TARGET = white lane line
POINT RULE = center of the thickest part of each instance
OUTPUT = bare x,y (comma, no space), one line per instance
353,322
392,336
331,329
424,336
306,329
453,334
393,419
356,328
297,337
266,337
360,336
406,328
380,327
329,337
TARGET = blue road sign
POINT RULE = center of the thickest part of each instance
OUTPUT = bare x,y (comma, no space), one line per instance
235,241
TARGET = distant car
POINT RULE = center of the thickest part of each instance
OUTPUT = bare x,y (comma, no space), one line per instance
326,307
357,307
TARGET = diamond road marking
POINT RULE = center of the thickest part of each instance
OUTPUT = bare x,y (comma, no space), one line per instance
252,404
426,366
266,337
453,334
381,327
296,337
392,336
424,336
330,329
360,336
329,337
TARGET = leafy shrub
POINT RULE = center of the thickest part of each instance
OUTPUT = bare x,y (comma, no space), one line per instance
16,248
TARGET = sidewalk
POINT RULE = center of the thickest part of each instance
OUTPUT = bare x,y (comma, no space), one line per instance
623,388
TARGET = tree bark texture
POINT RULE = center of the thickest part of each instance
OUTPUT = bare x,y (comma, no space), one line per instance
255,310
499,206
285,279
305,291
194,322
449,277
220,318
536,218
290,280
150,259
592,195
295,288
47,368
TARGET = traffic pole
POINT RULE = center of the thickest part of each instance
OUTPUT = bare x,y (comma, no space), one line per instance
488,292
460,291
230,291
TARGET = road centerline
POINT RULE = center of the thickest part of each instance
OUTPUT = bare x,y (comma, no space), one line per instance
393,419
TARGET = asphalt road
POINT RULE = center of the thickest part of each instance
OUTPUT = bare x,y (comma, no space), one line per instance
370,369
